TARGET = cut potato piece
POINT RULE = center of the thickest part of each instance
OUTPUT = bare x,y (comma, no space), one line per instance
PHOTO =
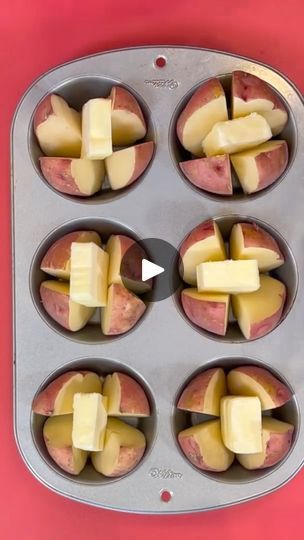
259,312
123,449
256,381
56,300
249,241
89,421
207,310
228,276
204,392
96,129
212,174
128,123
58,128
202,444
260,167
237,135
125,166
204,243
78,177
241,424
57,260
123,311
277,439
125,396
206,107
89,274
57,397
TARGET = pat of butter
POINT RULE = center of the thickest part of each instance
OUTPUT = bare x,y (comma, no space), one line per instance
96,129
228,276
237,135
89,274
241,424
89,421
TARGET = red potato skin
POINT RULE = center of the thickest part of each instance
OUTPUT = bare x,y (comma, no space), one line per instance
202,231
193,396
275,451
122,99
132,394
57,305
60,252
212,174
128,459
121,310
63,457
207,315
282,393
247,87
143,155
131,263
57,173
192,451
44,110
44,402
262,328
255,236
271,165
208,91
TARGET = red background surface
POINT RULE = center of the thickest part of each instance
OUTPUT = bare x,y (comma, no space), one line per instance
36,36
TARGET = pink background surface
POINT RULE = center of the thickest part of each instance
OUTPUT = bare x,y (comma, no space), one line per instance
36,36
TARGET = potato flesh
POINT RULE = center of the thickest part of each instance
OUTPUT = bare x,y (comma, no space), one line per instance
89,175
127,127
89,274
112,390
89,421
120,167
96,129
228,276
241,424
87,383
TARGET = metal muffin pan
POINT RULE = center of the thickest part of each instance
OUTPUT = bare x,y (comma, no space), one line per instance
163,351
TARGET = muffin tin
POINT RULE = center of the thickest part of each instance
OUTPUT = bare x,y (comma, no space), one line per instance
163,351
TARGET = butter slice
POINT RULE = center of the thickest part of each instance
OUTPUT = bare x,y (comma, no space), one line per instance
237,135
228,276
89,421
89,274
96,129
241,424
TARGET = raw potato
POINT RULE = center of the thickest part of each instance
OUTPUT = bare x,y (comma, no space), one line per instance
256,381
207,310
206,107
96,129
58,128
125,166
57,434
241,424
204,243
204,392
57,260
78,177
276,440
125,263
55,297
128,123
236,135
123,449
252,94
228,276
125,396
249,241
202,444
57,397
213,174
260,312
122,312
260,167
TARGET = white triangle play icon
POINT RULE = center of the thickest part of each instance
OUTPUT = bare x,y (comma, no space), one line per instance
150,270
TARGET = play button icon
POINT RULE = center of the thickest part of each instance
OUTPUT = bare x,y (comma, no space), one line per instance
150,270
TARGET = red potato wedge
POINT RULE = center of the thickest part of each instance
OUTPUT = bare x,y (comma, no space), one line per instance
78,177
260,312
128,123
204,243
249,241
125,396
57,434
57,398
57,260
256,381
206,107
123,449
58,128
276,440
207,310
123,311
125,166
212,174
55,297
252,94
260,167
125,265
203,446
204,392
